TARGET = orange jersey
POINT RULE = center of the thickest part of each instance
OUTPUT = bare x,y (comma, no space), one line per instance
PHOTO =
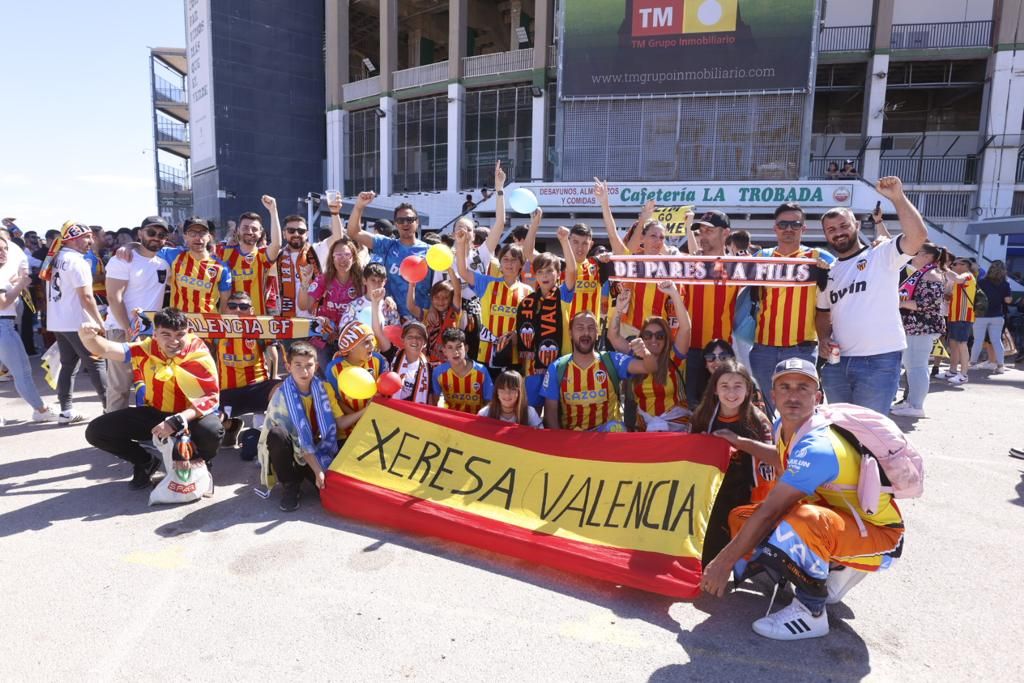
711,310
467,393
961,306
189,380
240,362
499,304
786,315
197,284
657,399
375,365
247,273
648,301
587,295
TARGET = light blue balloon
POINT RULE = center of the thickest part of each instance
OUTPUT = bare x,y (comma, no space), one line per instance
522,200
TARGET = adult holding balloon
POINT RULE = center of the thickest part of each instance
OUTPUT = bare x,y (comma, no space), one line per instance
393,251
354,371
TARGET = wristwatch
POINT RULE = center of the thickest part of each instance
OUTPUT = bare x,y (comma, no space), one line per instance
500,193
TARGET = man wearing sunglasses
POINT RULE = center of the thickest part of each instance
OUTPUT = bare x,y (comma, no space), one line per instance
392,251
137,285
785,318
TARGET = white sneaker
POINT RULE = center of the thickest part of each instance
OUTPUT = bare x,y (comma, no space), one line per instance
47,414
958,379
5,376
70,417
840,581
907,411
983,366
999,369
794,622
944,374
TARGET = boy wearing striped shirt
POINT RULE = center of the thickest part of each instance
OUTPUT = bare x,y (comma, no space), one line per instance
465,384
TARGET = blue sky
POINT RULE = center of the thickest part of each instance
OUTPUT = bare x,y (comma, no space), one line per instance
76,123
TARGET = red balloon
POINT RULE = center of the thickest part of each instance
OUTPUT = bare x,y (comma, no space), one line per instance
394,334
414,268
389,383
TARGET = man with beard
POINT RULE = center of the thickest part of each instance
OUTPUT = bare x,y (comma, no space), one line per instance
581,389
859,308
392,251
200,282
248,261
133,286
177,379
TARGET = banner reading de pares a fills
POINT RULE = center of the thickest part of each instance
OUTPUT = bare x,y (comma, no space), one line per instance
627,508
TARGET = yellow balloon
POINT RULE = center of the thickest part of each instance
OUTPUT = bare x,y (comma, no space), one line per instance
357,383
440,257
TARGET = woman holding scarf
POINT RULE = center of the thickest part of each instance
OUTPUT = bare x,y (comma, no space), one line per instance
921,299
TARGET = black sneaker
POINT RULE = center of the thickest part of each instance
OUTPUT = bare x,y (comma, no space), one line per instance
143,473
290,498
231,429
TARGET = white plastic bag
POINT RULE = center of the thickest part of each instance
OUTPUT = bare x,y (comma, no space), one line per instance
185,481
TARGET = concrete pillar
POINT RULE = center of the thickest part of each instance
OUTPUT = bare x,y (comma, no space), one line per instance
876,86
456,132
881,32
998,174
337,120
539,133
458,13
389,105
515,9
542,31
336,66
388,46
415,36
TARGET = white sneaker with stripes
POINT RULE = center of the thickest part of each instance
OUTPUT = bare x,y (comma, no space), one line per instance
794,622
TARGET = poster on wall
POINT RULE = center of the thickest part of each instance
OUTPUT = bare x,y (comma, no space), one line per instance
200,84
672,47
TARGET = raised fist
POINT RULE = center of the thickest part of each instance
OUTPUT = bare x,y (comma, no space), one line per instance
269,202
890,187
364,199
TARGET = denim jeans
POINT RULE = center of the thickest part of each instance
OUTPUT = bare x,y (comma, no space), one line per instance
869,381
14,358
763,360
915,359
994,327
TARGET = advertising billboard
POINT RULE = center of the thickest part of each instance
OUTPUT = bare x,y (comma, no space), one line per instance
200,84
672,47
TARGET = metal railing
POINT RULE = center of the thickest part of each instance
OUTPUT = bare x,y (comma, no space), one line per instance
552,56
819,167
938,35
1020,169
938,205
421,75
1017,208
844,39
171,132
959,170
498,63
171,179
357,90
167,91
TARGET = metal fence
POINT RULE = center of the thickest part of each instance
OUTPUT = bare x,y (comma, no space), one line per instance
1020,169
1017,208
844,39
498,63
960,170
943,204
723,137
167,91
171,132
945,34
421,75
171,179
357,90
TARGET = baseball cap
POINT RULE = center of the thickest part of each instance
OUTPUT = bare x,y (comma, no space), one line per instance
795,366
714,219
192,222
154,220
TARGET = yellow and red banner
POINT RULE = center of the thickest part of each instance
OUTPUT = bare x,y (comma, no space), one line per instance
628,508
217,326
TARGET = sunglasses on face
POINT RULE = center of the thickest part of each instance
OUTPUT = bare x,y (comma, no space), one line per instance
712,357
406,219
648,335
789,225
296,231
238,307
158,234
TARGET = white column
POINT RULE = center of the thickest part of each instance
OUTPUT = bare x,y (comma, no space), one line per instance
389,105
874,116
539,134
337,119
456,132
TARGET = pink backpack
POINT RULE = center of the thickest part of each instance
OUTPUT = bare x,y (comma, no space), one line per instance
888,448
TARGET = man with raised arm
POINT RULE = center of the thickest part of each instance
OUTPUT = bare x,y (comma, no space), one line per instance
248,261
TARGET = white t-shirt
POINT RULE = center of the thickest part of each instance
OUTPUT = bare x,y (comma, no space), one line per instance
64,311
408,371
863,296
147,280
532,418
7,271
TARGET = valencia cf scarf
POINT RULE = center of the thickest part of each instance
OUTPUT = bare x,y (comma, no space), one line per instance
288,277
909,285
539,322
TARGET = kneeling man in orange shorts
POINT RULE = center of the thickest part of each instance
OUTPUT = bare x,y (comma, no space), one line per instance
810,529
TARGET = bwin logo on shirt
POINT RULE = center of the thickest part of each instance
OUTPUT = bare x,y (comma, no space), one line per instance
861,286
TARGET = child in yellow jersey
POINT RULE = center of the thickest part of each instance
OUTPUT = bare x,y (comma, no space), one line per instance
355,350
465,385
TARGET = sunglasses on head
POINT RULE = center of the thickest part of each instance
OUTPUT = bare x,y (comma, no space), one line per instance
711,357
296,231
236,306
789,225
648,335
406,219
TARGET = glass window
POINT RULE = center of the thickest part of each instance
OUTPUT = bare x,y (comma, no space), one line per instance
497,126
421,145
362,152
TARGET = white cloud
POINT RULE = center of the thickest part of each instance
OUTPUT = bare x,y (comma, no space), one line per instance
15,179
111,180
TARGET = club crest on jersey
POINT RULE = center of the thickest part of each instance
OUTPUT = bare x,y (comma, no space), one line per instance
862,264
766,472
211,271
601,376
476,386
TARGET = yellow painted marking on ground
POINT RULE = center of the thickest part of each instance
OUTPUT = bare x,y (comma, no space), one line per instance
170,558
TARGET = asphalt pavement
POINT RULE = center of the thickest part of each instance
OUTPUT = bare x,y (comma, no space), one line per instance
98,586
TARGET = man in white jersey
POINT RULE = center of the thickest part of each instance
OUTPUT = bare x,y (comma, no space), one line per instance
859,309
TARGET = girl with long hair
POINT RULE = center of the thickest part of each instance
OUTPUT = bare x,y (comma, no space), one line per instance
508,403
727,409
331,293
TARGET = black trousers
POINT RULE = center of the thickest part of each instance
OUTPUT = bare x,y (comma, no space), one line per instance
248,399
121,432
73,352
28,322
281,448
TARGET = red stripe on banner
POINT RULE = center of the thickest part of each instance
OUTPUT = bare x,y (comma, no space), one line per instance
677,577
654,447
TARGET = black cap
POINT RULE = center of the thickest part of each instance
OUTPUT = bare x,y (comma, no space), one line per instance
154,220
714,219
202,223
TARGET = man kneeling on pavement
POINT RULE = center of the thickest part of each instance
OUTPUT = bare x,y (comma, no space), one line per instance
175,385
805,530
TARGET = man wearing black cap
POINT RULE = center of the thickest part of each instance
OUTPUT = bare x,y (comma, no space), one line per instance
135,286
200,282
